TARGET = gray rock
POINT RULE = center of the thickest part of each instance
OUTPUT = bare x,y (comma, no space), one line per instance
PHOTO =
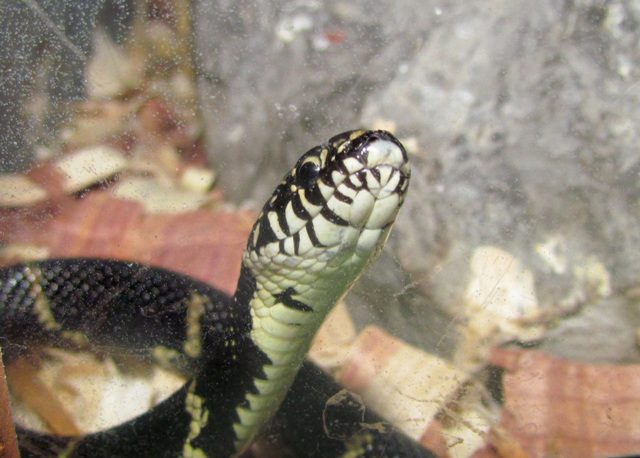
525,116
279,77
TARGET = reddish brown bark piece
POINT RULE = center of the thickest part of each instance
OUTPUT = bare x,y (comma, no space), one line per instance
555,407
206,244
8,441
434,441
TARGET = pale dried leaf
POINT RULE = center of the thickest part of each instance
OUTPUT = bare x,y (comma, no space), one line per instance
157,198
19,190
405,385
111,72
89,166
500,296
198,179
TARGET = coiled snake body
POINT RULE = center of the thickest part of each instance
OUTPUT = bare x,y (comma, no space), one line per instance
326,221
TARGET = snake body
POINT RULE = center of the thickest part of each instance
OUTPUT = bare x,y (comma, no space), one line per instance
326,221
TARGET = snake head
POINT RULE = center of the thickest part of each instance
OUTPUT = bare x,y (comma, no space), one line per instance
335,207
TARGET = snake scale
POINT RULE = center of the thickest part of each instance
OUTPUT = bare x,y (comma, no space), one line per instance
325,223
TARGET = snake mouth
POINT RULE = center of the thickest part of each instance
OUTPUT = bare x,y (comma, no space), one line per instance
371,180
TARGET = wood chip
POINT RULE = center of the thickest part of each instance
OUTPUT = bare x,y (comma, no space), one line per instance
569,409
8,442
331,345
206,244
73,393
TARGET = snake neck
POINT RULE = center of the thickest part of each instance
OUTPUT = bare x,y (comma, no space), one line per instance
282,327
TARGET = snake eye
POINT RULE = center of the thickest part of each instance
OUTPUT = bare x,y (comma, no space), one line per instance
307,174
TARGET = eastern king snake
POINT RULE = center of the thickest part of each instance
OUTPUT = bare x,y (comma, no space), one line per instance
324,224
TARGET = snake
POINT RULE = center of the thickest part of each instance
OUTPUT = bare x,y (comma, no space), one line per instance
326,221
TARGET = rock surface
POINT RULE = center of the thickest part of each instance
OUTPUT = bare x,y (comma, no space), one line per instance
522,118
